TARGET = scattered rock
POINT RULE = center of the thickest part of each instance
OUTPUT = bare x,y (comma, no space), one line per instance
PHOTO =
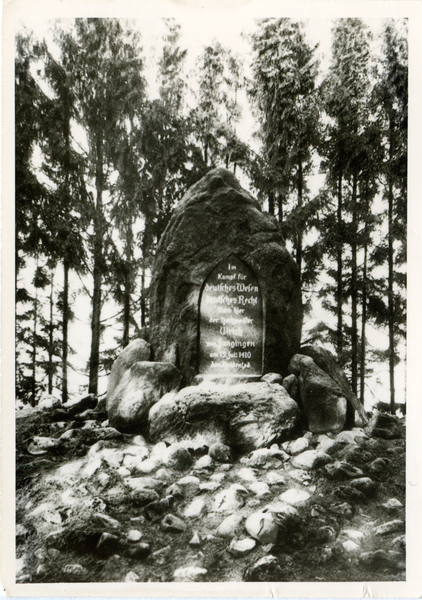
390,527
380,559
349,494
291,385
231,526
178,457
173,524
322,399
242,547
350,546
133,536
260,489
197,508
186,574
265,569
195,540
294,496
342,470
139,550
296,446
78,405
205,462
385,426
74,573
230,499
272,378
392,505
139,388
365,485
311,459
42,445
262,526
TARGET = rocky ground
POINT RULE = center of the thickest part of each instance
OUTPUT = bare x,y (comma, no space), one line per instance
96,505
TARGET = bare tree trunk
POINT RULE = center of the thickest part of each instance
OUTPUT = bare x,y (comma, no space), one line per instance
354,291
97,276
364,294
340,267
391,353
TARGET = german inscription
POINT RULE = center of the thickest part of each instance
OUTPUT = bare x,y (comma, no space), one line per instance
230,321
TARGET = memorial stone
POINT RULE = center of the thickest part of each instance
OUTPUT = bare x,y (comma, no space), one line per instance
231,323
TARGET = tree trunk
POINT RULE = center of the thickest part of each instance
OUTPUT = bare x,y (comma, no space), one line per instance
34,350
340,267
299,234
354,291
364,287
65,328
271,206
128,285
391,352
51,339
94,361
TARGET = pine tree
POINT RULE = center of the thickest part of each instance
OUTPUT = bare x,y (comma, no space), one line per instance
284,95
105,65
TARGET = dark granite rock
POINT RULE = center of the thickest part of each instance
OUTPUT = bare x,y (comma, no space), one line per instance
215,219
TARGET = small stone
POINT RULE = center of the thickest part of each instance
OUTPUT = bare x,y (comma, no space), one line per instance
105,521
218,477
164,474
379,464
138,440
186,574
294,496
21,533
220,453
159,450
195,540
325,534
231,499
108,544
142,497
392,505
300,475
123,472
142,483
342,470
53,553
230,527
197,508
173,524
364,485
350,546
265,569
41,571
400,542
353,534
343,509
242,547
311,459
350,494
133,536
390,527
175,491
209,486
328,445
297,446
139,550
132,577
205,462
74,572
189,480
247,474
260,489
225,467
177,457
262,527
272,378
147,466
380,559
275,478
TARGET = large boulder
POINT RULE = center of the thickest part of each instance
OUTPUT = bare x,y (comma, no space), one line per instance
137,350
139,387
323,400
215,219
326,361
246,416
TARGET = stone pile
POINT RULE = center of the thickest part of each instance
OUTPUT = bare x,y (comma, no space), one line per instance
122,509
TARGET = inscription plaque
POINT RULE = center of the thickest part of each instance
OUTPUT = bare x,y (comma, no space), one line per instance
230,321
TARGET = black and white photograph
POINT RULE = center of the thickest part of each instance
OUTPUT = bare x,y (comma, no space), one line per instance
208,233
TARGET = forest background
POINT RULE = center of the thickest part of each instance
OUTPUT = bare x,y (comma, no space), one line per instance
115,120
